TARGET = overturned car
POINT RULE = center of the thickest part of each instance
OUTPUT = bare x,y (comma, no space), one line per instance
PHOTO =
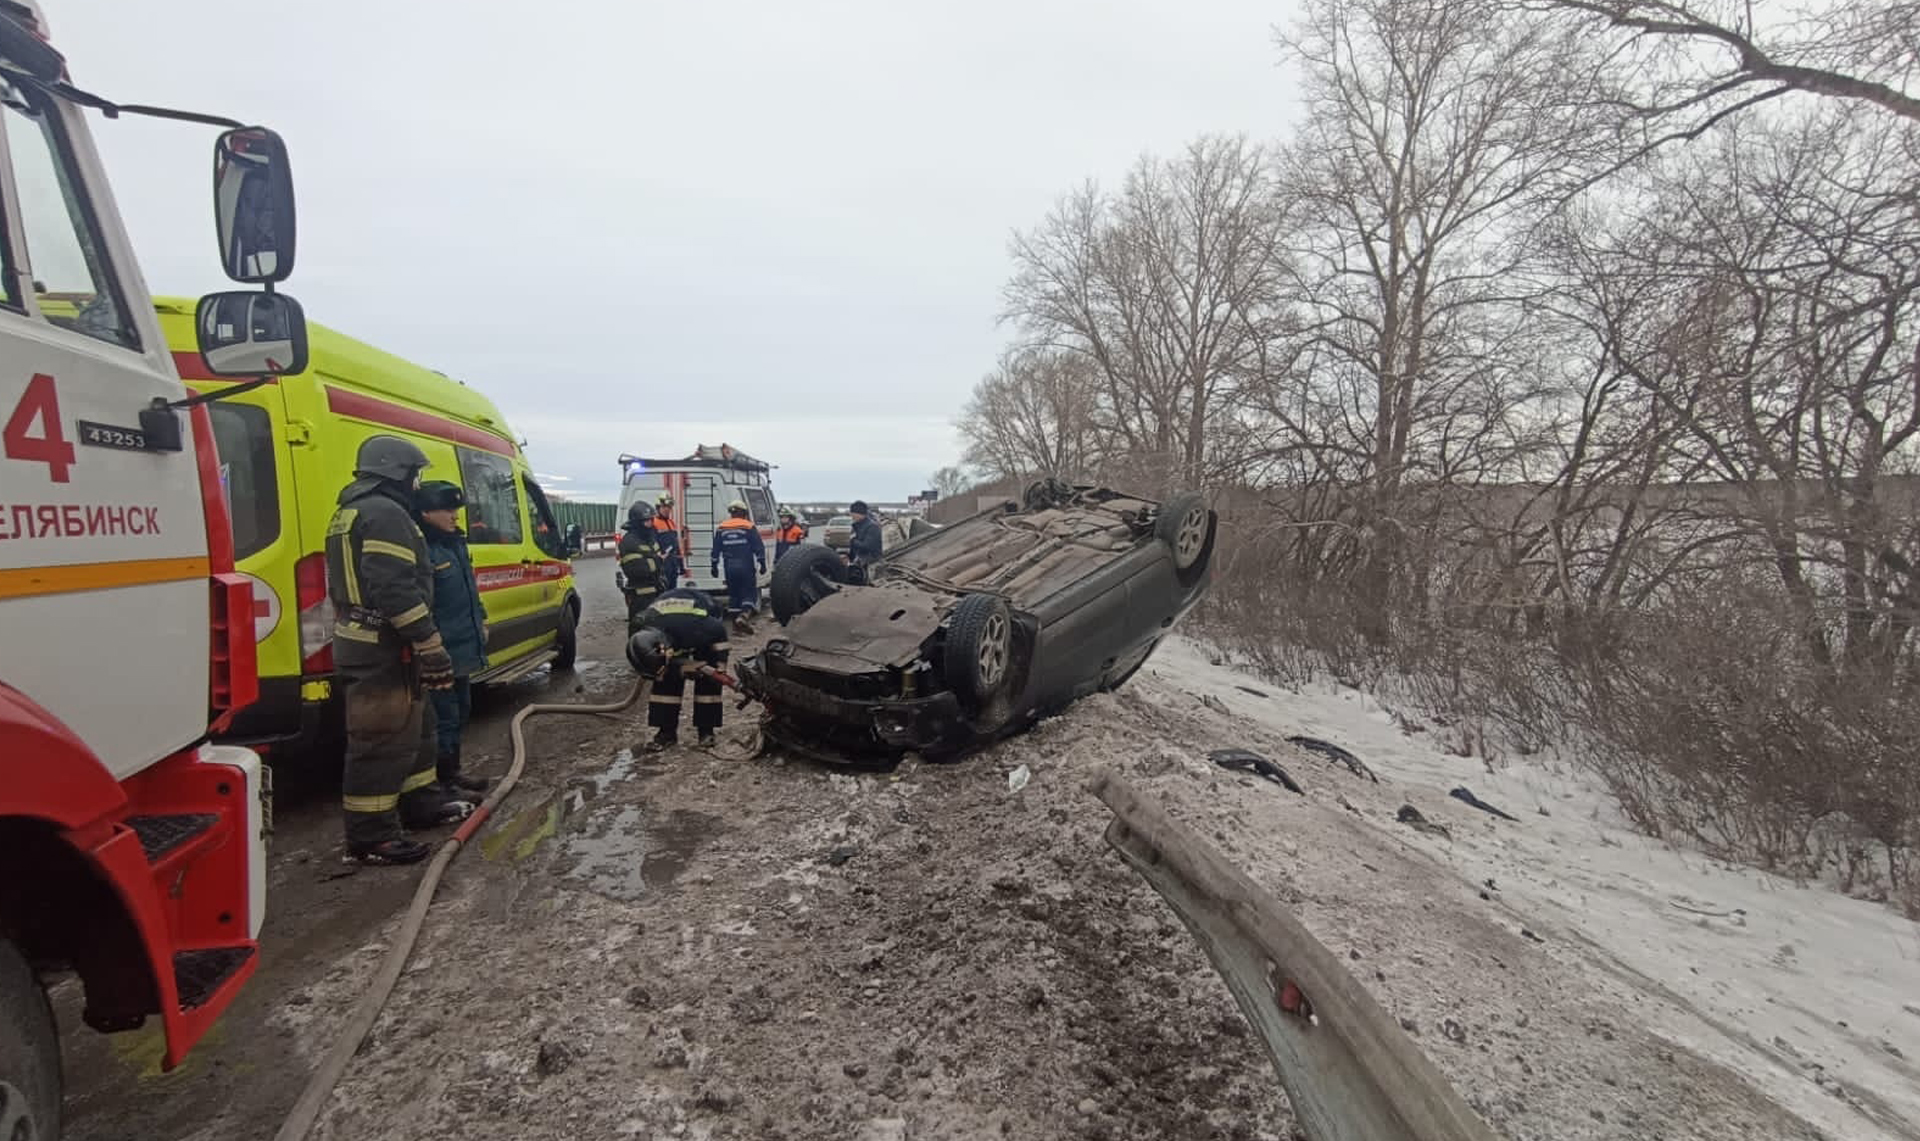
978,629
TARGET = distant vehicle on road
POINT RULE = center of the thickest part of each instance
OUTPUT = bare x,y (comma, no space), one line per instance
839,532
976,630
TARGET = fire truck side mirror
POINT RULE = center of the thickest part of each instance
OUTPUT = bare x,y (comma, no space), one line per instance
253,205
248,334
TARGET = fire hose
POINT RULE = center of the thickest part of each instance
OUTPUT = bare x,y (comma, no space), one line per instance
366,1012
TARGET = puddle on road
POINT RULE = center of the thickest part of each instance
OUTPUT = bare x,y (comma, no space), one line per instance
620,855
612,847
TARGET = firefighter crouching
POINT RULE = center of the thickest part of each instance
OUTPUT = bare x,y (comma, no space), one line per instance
643,570
790,535
387,652
737,543
682,626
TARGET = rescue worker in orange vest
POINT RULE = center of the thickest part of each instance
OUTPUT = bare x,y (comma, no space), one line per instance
667,533
791,534
737,542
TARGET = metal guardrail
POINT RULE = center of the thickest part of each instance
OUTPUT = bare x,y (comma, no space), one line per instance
1350,1072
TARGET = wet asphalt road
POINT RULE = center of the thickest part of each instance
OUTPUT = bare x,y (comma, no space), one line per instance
318,910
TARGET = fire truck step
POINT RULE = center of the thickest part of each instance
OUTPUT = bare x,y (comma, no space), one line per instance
162,834
198,974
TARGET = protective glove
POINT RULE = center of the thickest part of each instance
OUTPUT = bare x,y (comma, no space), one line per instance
430,657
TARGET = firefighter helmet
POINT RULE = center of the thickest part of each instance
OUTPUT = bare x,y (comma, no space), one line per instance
390,457
738,507
647,652
663,500
639,515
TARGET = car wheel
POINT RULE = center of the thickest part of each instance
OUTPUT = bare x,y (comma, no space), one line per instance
807,575
1186,526
566,642
29,1054
979,653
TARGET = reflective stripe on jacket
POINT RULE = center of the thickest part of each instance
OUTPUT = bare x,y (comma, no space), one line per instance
378,576
738,542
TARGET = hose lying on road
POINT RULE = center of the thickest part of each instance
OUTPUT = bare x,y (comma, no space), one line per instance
307,1110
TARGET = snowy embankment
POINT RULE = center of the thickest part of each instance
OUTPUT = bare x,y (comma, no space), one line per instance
1812,997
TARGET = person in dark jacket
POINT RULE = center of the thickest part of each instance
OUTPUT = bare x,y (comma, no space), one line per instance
792,533
864,545
737,543
682,625
386,651
643,570
462,620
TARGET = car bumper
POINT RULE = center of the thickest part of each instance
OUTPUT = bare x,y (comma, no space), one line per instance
822,724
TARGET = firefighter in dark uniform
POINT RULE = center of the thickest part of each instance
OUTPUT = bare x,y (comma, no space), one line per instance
667,533
643,569
738,544
682,626
790,535
387,652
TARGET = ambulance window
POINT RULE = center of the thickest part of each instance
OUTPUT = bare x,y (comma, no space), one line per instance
64,254
546,529
243,438
762,506
493,500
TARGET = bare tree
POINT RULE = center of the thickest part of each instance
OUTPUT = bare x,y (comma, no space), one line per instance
1687,65
1165,290
1033,415
1437,135
950,481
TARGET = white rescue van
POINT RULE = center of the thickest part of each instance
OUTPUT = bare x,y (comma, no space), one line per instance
702,485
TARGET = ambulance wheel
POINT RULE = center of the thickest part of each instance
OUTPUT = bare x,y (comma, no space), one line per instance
566,643
29,1054
805,576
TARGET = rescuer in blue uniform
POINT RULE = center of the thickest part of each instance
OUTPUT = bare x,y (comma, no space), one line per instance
737,543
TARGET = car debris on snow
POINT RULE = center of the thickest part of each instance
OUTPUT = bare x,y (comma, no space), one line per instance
1334,753
1410,816
1465,796
1244,760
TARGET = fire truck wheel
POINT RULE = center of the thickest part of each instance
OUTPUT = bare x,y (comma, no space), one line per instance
29,1054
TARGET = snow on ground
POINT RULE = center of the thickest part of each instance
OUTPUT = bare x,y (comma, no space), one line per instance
1811,996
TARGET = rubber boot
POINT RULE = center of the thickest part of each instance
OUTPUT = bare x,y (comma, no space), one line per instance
434,807
387,853
663,740
447,768
707,739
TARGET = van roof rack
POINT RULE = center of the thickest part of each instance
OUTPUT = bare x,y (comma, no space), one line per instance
706,455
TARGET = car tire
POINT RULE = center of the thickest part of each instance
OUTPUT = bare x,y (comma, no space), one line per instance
979,651
805,576
1186,525
29,1053
566,641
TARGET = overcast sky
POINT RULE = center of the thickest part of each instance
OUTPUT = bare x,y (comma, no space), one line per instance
641,226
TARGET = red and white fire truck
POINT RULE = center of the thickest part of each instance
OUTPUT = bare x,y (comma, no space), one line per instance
132,851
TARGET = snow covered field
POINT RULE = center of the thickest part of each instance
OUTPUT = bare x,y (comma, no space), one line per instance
1811,996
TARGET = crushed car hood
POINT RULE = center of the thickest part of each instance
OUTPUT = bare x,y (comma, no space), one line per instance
860,630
